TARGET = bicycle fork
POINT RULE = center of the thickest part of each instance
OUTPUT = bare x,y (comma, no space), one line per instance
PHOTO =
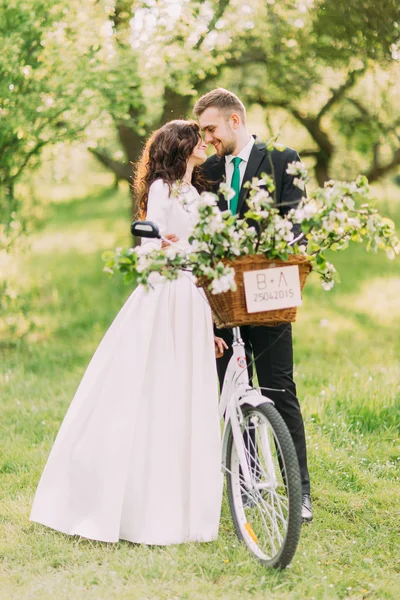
237,391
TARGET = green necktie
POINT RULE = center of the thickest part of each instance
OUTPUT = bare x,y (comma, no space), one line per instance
235,184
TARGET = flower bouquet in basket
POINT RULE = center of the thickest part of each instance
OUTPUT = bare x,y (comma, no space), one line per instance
253,269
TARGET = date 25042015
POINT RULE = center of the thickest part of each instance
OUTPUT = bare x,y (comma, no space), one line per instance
276,295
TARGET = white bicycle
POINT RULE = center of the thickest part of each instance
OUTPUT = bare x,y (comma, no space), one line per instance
261,466
258,458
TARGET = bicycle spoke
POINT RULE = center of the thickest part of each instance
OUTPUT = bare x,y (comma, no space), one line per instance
267,528
272,515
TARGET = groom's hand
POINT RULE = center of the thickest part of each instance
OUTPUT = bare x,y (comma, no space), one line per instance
171,237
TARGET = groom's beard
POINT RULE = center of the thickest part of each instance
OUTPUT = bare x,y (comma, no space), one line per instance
228,148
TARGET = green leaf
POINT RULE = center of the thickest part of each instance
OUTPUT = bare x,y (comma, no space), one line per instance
129,277
108,255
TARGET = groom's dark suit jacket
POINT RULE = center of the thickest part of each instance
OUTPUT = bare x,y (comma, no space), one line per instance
272,346
260,161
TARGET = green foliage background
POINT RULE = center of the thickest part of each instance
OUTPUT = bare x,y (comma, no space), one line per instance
347,370
81,86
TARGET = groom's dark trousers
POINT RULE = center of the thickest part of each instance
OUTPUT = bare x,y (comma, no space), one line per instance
271,347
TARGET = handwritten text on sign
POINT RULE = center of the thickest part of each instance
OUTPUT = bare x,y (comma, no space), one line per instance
269,289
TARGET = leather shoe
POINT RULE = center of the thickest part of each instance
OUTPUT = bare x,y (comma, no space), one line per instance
306,509
247,500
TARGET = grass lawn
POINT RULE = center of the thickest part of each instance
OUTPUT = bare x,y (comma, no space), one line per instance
347,355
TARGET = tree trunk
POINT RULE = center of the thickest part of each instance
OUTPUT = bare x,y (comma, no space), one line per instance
175,106
377,170
121,170
321,168
132,144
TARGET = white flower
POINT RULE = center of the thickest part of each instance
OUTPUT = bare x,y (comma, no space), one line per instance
143,263
199,246
310,209
390,253
299,215
327,285
207,199
283,223
294,168
217,286
371,224
224,283
354,222
349,202
261,200
289,236
145,248
207,271
171,251
213,223
330,268
226,191
300,183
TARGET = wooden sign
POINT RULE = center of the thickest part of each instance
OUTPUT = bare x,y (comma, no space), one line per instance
271,289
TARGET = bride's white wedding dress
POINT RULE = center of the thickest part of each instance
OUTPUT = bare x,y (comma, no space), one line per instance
137,456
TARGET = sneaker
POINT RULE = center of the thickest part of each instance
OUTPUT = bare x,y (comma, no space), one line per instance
306,509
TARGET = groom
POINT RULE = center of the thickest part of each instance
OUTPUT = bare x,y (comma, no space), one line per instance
237,159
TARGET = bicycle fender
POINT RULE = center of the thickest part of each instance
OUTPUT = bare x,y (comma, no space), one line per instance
254,398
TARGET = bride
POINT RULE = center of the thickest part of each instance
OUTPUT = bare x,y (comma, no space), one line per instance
137,456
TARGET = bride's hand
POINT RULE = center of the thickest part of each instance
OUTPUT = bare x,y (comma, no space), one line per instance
171,237
220,346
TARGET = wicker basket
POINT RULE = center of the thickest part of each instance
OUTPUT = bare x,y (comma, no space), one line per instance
229,308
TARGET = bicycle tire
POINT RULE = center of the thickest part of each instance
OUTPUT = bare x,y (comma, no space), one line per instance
289,469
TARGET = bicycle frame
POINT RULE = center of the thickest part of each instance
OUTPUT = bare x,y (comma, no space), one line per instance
236,390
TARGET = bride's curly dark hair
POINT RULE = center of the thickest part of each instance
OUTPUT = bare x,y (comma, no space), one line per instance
165,157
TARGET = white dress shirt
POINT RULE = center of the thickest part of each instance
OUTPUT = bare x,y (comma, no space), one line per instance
244,154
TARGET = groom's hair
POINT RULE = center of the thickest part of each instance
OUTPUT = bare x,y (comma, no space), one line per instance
224,100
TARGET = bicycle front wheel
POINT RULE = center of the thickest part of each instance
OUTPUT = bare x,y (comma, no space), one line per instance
267,511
